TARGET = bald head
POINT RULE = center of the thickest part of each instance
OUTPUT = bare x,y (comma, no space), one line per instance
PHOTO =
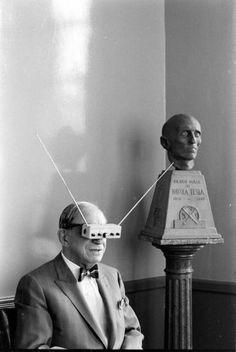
90,211
181,137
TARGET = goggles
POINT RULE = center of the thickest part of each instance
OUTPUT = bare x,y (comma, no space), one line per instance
95,231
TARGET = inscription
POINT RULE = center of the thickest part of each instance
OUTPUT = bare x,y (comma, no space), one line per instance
196,182
200,198
188,192
176,198
180,181
184,181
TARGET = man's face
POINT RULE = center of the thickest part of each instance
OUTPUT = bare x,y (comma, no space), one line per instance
184,139
83,251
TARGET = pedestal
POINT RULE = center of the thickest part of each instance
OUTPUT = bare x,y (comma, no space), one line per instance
180,222
178,296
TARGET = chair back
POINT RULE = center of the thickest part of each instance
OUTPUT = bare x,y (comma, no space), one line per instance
5,335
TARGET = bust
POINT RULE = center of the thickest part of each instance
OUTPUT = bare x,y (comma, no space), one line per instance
181,137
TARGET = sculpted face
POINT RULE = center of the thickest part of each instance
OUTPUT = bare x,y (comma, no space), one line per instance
82,251
181,137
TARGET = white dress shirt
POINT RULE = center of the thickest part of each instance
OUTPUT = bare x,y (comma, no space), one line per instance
89,289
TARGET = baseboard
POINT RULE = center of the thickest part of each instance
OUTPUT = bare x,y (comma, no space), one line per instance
140,285
213,286
154,283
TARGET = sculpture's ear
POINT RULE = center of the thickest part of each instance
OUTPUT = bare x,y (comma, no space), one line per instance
164,142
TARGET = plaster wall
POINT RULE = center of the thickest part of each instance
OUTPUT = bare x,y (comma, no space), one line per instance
89,78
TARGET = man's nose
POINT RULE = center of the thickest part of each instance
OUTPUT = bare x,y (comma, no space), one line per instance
97,240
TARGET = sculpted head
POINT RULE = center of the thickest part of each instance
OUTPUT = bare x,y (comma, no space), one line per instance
181,137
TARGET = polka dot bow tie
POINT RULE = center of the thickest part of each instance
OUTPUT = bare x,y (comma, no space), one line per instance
93,272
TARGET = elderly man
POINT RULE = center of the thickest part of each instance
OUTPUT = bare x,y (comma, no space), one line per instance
64,305
181,137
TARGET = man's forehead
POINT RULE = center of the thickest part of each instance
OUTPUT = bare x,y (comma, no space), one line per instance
92,217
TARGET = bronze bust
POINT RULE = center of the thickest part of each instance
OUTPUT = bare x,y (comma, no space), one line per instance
181,137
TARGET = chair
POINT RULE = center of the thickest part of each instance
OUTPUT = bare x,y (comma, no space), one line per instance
7,327
5,340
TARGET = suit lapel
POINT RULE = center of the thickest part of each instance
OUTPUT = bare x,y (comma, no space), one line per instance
106,293
68,284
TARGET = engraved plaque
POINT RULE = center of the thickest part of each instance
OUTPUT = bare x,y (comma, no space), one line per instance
189,218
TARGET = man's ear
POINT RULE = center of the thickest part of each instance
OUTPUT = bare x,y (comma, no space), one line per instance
164,142
63,237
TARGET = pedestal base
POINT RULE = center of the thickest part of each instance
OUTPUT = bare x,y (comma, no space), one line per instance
178,297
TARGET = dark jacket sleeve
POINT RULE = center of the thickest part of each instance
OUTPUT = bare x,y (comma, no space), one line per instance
34,324
133,337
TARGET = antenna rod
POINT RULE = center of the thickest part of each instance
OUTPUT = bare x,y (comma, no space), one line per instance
62,178
149,189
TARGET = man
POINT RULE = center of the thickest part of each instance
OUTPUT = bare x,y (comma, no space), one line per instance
55,310
181,137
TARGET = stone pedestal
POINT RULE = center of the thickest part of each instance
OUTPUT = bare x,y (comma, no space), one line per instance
180,211
179,223
178,295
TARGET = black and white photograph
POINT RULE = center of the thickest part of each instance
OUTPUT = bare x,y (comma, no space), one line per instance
117,173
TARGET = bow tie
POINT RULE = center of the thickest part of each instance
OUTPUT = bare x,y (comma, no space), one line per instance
93,272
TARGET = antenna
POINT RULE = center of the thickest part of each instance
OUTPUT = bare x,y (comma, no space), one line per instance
62,178
93,231
149,189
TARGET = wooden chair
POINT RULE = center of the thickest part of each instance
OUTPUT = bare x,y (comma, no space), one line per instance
7,323
5,339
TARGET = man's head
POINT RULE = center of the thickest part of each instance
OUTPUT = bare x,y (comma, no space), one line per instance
80,250
181,137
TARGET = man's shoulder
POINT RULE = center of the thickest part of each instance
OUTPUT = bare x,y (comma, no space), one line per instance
42,270
109,271
108,268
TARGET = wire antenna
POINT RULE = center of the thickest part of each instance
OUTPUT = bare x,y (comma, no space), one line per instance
149,189
62,178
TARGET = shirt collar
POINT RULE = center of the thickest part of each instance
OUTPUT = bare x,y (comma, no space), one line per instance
74,268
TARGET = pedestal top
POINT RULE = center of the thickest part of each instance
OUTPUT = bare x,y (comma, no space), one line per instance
197,241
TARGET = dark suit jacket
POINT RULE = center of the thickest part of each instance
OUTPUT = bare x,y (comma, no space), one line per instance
52,312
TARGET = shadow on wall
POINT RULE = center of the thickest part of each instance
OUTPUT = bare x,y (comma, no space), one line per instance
128,189
139,153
